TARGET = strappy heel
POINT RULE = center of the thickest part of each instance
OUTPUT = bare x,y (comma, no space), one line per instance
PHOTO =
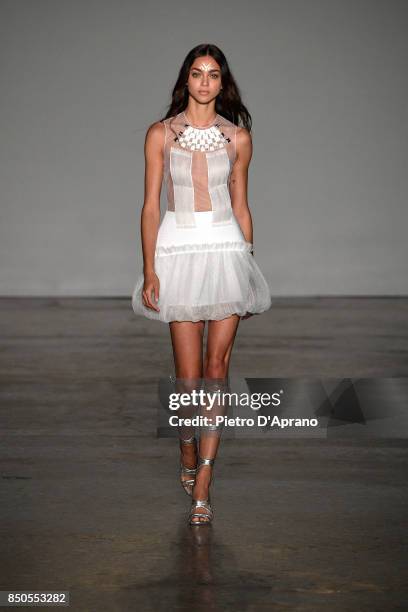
187,484
207,516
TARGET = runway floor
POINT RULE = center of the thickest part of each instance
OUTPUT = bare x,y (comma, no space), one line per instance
90,497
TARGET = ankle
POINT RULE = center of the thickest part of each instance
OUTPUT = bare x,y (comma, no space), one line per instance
203,478
189,454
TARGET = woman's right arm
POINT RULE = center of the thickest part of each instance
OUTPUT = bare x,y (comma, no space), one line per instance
150,217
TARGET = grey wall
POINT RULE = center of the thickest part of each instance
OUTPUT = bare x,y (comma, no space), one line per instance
325,81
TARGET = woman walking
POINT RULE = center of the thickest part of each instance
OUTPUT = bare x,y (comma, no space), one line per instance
199,261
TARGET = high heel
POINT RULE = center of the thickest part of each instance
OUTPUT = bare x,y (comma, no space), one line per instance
187,484
202,503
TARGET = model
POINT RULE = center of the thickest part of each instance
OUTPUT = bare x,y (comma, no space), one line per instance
199,261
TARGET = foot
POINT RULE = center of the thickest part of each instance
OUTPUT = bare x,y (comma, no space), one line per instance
201,490
189,460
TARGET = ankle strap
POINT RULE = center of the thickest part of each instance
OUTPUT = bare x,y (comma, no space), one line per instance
188,441
202,461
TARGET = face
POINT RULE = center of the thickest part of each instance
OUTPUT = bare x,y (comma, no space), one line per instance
204,80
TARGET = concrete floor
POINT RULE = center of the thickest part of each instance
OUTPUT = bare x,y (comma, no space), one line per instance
90,497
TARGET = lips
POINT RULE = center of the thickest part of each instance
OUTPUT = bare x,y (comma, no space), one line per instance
203,92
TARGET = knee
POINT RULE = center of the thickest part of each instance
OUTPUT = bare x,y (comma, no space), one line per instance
189,372
188,381
215,367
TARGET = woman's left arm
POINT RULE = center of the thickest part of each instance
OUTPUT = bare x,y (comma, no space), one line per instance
238,183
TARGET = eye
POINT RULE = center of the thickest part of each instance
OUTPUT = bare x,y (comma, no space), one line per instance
215,75
195,74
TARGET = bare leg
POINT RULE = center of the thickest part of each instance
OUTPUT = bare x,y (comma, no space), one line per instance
221,336
187,342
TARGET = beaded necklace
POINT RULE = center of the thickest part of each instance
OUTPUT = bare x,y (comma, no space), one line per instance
202,139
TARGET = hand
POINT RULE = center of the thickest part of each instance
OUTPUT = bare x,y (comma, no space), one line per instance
150,293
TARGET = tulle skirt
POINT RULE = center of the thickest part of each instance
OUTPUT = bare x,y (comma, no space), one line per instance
205,272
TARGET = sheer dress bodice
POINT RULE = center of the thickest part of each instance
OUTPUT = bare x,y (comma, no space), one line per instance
197,165
202,260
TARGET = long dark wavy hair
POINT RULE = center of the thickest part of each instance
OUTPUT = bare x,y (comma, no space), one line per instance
228,102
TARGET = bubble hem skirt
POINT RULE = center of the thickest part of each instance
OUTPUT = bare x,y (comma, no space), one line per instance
205,272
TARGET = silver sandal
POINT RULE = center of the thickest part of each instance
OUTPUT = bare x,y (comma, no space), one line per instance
202,503
187,484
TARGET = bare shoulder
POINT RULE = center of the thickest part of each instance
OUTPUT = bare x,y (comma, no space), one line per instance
155,136
244,143
243,134
155,131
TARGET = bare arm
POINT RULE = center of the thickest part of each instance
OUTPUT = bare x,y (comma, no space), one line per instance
150,217
238,185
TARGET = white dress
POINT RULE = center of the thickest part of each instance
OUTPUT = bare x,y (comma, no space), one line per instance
204,264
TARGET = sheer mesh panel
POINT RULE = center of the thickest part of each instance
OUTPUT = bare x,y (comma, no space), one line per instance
197,180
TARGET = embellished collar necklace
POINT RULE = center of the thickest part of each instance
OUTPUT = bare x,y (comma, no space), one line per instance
202,138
